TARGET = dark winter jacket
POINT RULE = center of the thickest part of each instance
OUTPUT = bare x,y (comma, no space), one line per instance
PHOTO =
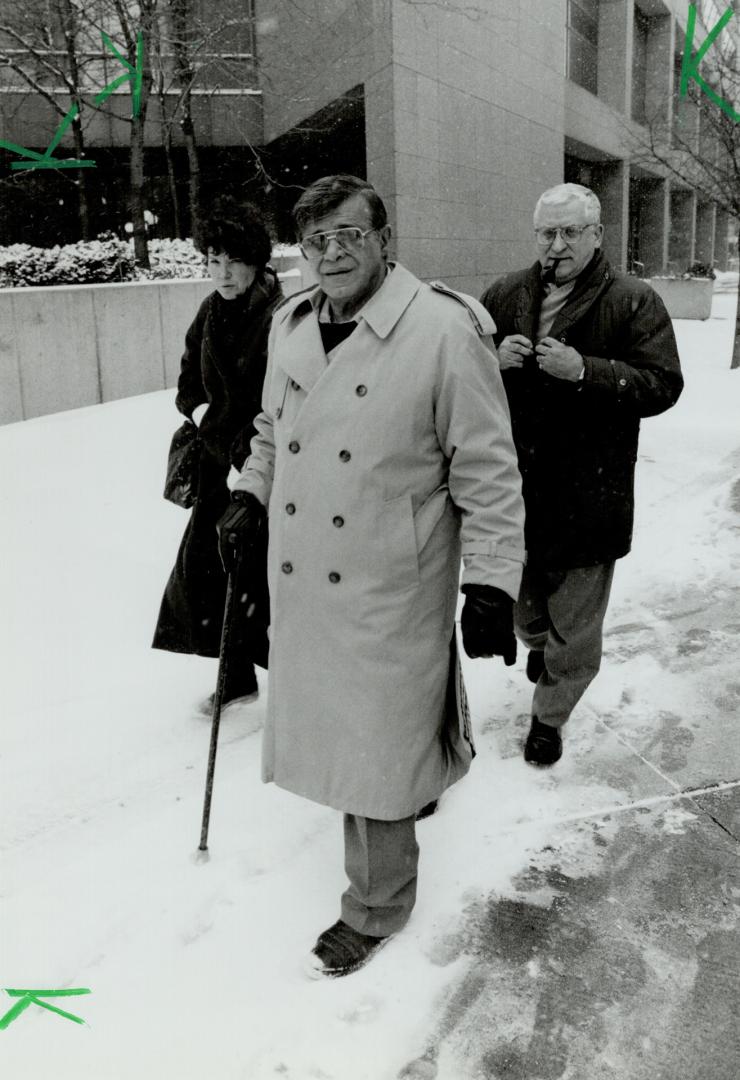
224,364
577,442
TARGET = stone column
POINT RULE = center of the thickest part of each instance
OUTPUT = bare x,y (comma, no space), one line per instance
654,218
704,242
616,18
611,184
682,229
721,251
661,48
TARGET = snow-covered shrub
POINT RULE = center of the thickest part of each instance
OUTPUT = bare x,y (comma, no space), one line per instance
699,270
103,260
173,259
107,259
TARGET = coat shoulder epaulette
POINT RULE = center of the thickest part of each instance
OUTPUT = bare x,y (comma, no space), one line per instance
481,319
288,303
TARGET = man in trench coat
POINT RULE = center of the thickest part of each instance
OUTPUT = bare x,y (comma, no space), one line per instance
586,352
383,452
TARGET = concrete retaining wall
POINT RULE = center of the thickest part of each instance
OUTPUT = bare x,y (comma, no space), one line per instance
67,346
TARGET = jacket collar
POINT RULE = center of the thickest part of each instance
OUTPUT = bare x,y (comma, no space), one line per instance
589,283
302,354
528,303
265,289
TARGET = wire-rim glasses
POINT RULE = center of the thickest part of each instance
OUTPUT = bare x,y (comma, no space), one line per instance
568,234
350,237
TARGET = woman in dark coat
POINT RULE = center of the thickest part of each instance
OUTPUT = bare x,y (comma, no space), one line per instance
219,390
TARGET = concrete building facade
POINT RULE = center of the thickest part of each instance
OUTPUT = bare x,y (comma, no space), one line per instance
468,109
461,112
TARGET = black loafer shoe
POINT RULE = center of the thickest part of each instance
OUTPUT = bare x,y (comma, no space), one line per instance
535,664
544,745
341,950
428,810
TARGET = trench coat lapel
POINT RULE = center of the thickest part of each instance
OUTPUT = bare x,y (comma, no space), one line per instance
385,308
302,355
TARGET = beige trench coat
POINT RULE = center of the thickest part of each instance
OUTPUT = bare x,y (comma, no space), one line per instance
378,467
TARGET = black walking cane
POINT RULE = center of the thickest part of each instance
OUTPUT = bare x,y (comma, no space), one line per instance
202,852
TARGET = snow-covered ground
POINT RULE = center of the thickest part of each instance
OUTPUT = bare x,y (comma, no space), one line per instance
195,968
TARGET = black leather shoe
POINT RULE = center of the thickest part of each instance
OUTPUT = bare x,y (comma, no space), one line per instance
428,810
544,745
535,664
341,950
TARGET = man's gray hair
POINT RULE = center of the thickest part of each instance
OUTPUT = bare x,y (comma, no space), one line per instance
562,193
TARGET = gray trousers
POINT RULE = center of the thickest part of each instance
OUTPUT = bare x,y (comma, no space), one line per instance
562,613
381,859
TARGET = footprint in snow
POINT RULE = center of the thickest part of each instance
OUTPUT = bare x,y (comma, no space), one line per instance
361,1012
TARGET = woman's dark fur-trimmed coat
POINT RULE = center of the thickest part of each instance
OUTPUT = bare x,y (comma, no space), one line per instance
224,366
577,442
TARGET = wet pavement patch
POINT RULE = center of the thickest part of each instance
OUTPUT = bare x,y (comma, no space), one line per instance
735,497
615,956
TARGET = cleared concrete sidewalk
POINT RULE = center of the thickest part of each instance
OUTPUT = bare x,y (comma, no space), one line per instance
615,955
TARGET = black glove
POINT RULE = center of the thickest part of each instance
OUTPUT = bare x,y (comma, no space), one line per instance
487,623
240,527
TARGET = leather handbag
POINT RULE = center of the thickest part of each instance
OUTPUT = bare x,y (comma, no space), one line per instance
181,484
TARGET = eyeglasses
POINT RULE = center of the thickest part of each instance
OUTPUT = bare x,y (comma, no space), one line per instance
568,234
349,238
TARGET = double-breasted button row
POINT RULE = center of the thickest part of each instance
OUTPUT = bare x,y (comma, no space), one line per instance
294,446
337,520
334,577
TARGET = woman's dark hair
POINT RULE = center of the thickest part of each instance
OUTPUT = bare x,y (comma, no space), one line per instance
329,192
236,229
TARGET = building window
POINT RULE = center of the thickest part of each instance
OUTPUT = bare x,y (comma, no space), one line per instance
583,43
639,66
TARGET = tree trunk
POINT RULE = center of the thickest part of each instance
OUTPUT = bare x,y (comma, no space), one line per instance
193,165
138,180
171,175
181,19
137,159
83,207
735,363
68,16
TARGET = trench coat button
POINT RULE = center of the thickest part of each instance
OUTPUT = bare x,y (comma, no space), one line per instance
622,382
294,385
338,521
294,447
287,568
360,390
563,339
334,577
290,508
344,455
